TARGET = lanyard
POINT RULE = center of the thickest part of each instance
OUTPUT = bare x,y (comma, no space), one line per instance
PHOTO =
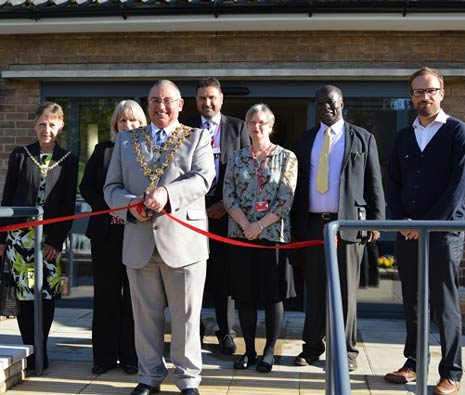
215,135
259,172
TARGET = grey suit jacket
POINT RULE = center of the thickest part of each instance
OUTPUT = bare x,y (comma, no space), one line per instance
187,179
360,184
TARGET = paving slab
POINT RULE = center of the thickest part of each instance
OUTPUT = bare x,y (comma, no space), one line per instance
70,350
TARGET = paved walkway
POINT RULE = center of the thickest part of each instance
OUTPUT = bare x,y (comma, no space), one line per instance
70,350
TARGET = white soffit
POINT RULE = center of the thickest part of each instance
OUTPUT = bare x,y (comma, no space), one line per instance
260,73
249,22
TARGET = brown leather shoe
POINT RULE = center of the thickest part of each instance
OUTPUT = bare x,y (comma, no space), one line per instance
447,387
401,376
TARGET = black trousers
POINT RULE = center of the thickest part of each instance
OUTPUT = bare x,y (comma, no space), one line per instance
369,270
217,283
113,322
445,254
314,270
25,320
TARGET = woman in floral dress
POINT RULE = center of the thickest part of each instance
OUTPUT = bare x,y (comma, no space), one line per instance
258,192
39,174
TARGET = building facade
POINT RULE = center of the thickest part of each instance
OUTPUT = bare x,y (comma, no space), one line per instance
88,55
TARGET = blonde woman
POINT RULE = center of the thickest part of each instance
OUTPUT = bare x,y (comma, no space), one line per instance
113,323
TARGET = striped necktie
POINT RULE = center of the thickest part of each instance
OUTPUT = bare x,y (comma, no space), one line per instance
160,137
209,126
323,164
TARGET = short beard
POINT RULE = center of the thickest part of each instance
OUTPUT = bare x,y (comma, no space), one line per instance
426,110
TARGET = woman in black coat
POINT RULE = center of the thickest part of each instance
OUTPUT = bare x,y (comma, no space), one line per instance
113,323
39,174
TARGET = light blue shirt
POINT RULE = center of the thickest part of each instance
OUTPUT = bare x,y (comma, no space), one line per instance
215,132
327,202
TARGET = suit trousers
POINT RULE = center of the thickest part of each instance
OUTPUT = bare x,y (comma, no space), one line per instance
314,270
445,255
153,288
112,322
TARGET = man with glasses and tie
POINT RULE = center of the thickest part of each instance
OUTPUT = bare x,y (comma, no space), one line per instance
170,166
339,178
228,134
426,181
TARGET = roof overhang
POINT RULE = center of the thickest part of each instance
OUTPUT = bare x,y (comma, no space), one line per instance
454,21
226,70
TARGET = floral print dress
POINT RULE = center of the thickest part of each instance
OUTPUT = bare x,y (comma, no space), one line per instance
20,252
241,189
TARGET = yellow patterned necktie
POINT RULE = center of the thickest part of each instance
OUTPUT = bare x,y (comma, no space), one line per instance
323,164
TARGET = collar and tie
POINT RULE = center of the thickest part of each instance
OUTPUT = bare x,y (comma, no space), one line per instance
322,181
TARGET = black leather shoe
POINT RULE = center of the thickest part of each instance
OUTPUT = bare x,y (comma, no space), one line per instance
100,369
265,367
305,359
144,389
245,361
352,362
130,369
190,391
227,345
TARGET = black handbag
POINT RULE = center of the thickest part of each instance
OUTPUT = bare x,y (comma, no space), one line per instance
8,300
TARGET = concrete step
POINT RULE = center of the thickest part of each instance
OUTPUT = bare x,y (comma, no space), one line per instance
13,364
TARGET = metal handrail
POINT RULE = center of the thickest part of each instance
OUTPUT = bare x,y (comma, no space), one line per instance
37,213
337,369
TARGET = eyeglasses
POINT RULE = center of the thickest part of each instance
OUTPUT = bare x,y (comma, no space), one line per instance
428,91
260,124
165,102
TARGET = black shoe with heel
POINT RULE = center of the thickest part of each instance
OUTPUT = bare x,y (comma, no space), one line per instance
265,367
245,361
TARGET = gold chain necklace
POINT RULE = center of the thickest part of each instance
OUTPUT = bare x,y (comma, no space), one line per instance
158,168
44,169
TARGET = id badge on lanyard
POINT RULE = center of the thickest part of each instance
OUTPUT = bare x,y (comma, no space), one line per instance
262,205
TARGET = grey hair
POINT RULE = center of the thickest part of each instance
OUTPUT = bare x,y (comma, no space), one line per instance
260,107
165,82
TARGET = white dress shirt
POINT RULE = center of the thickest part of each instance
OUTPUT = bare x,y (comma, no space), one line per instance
327,202
424,134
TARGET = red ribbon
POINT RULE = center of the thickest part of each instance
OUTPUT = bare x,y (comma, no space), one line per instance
30,224
139,207
299,244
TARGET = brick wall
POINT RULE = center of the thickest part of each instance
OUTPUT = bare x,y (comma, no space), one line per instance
19,98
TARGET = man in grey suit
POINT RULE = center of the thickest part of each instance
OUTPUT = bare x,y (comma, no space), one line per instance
165,165
227,135
339,178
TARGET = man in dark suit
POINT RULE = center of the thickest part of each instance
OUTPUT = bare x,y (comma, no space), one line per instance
427,182
339,178
228,134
